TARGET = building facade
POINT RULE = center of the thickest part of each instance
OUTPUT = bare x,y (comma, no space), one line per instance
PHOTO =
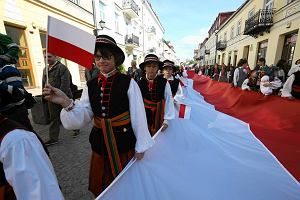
210,45
26,22
135,26
268,29
132,23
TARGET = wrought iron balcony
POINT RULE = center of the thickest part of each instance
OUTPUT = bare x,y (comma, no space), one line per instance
151,30
152,50
260,22
132,41
130,8
221,45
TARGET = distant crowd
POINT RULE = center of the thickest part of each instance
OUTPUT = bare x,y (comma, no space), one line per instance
280,79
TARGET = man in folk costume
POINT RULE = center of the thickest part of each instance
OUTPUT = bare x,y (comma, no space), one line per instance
157,95
168,70
114,101
26,171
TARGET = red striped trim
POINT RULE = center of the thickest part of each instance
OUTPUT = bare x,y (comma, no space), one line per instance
182,110
71,52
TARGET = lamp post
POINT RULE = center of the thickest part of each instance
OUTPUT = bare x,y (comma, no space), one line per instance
101,25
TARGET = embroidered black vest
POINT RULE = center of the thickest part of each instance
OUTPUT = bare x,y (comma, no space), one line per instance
296,85
108,99
156,94
174,86
158,89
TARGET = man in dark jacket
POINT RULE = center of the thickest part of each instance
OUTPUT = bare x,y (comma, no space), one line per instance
59,77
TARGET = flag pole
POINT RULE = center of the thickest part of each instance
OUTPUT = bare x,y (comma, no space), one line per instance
46,56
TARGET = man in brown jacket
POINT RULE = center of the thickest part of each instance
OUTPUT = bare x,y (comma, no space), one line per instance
59,77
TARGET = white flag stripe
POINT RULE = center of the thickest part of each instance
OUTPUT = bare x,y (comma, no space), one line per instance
71,34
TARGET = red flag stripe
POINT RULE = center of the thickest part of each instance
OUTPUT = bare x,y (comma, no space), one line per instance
182,110
70,52
273,120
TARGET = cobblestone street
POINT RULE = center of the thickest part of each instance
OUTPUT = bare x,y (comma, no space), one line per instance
70,158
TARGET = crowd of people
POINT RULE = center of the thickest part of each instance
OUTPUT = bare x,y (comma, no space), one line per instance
279,79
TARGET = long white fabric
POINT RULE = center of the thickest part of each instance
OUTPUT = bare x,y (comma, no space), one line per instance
27,167
211,156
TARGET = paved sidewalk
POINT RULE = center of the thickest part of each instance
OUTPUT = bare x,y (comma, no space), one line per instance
70,158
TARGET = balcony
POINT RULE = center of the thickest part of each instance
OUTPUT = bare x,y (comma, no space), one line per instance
152,50
260,22
130,8
151,30
201,58
221,45
207,51
132,41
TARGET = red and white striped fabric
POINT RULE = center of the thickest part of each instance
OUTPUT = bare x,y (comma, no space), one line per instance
183,111
70,42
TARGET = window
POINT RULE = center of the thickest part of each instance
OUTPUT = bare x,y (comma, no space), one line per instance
117,28
76,1
225,36
102,10
238,28
269,4
43,40
24,64
232,32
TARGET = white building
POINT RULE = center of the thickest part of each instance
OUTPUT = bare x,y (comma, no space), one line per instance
134,25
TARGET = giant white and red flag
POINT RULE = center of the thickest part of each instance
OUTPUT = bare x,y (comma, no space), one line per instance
70,42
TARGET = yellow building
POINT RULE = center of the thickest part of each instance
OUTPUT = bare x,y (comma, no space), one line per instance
261,28
26,22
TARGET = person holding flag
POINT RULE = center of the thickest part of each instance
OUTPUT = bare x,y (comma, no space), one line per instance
157,95
114,102
168,70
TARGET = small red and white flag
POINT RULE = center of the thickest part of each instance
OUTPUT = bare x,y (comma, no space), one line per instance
183,111
70,42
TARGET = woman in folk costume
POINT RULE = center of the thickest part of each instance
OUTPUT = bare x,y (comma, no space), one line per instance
157,95
168,70
115,104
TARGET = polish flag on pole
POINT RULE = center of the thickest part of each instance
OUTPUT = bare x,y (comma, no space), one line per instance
184,111
70,42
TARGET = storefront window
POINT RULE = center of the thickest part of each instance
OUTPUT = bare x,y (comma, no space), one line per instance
24,64
262,49
289,47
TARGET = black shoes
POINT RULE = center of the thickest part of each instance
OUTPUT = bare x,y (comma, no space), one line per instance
51,142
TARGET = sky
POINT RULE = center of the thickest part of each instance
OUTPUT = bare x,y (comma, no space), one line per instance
186,22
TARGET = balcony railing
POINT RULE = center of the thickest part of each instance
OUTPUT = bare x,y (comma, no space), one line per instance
131,8
221,45
132,40
152,50
151,30
207,51
259,22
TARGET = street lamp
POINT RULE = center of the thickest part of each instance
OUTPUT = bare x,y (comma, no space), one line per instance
101,25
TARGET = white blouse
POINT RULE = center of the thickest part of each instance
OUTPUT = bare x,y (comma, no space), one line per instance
27,167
